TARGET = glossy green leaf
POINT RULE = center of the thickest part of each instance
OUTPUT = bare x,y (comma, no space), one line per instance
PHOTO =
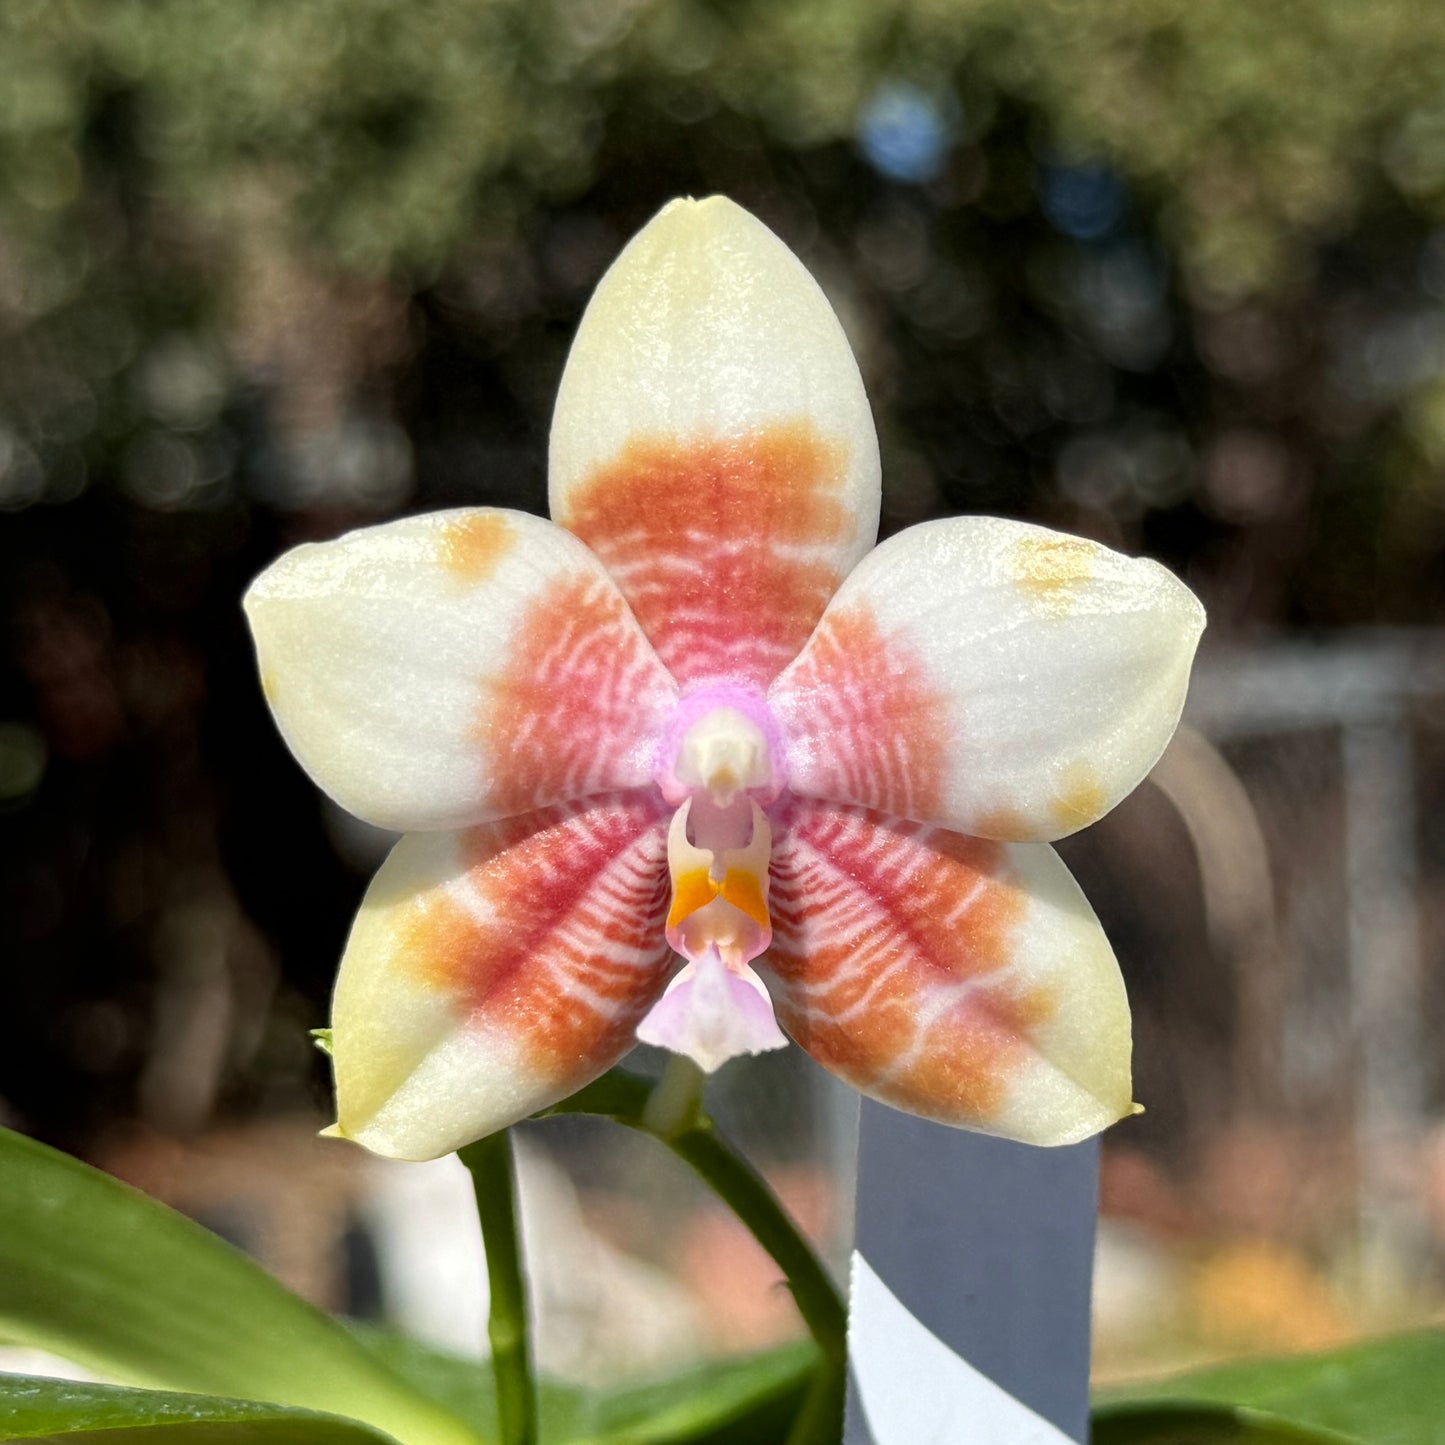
96,1272
1381,1392
748,1401
1183,1422
32,1408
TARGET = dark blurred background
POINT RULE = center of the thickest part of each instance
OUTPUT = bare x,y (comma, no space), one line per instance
1168,274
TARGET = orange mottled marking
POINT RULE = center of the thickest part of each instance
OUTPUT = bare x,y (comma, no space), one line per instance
968,1056
472,546
1081,797
1050,569
864,721
725,547
552,935
577,706
892,948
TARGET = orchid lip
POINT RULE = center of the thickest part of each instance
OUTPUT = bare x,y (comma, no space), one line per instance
719,850
713,1012
720,883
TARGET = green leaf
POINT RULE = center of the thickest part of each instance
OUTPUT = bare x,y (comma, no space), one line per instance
732,1402
98,1273
1382,1392
748,1401
1185,1422
32,1408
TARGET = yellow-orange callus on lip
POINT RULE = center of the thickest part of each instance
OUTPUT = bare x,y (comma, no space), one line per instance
745,891
691,890
694,890
715,1007
720,895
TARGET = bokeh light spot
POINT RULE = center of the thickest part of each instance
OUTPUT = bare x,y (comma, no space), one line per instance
905,133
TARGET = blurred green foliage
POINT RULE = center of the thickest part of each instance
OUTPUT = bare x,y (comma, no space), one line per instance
1236,202
384,133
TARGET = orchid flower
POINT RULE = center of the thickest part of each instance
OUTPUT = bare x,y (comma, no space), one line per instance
695,760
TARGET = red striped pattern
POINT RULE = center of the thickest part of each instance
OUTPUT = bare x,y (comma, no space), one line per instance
727,549
580,704
552,931
862,720
891,954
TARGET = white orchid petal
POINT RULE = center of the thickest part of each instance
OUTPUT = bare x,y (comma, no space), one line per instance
713,444
492,972
957,978
992,676
443,669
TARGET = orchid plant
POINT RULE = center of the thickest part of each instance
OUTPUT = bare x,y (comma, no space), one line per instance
694,763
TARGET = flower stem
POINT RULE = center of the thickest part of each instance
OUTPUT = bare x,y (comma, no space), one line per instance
671,1112
675,1103
494,1182
749,1196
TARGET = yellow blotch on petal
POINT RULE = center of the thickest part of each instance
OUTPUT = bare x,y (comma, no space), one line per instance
473,545
1048,569
1081,798
1006,824
1031,1007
